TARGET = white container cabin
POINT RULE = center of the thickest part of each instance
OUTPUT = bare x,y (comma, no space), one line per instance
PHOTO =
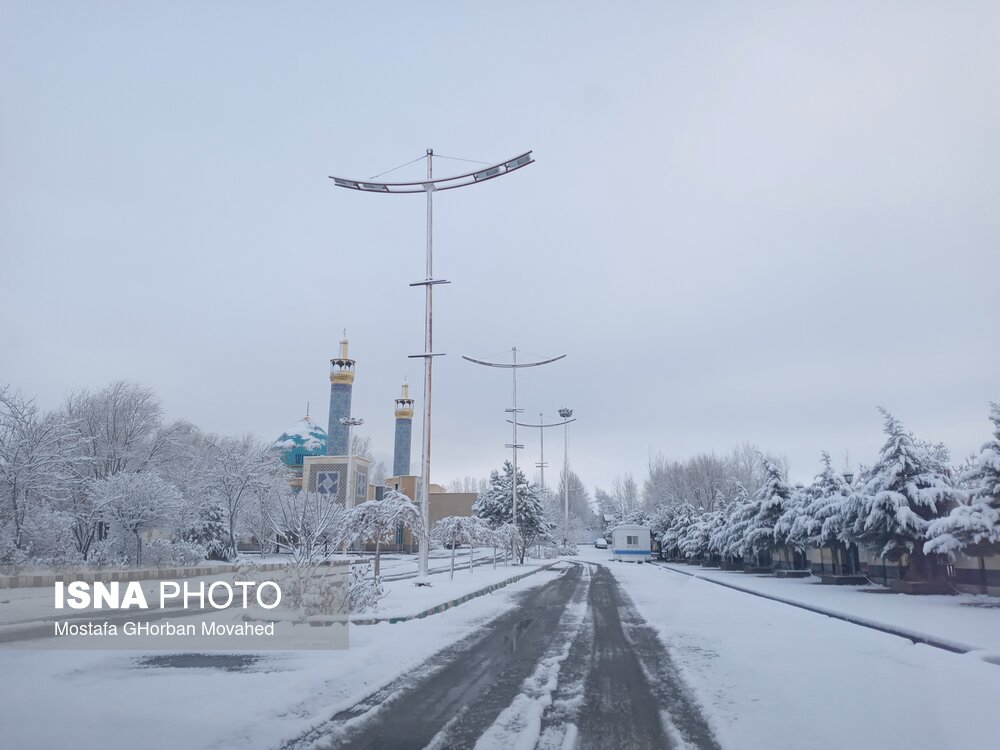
631,543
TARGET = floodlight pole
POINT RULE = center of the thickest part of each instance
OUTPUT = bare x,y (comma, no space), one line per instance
430,186
566,414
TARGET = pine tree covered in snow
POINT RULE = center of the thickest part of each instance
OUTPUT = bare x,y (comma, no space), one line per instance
496,507
824,521
672,523
974,527
908,487
768,503
731,538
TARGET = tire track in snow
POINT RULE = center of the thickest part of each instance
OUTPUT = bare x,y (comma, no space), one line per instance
476,679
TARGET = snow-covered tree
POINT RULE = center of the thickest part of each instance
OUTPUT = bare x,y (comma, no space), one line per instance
378,521
137,503
673,523
580,506
238,468
695,541
496,508
973,527
454,531
34,453
623,501
823,523
309,527
257,515
116,430
908,487
730,539
566,527
768,503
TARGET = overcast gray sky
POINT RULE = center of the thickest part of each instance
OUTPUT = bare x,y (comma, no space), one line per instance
747,221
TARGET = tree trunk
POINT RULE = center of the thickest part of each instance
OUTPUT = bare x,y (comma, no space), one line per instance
138,549
471,550
983,588
378,557
453,558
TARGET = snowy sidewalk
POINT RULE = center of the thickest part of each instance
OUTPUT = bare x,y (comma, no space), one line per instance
969,621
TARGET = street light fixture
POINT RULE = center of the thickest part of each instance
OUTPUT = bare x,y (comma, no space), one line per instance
565,414
514,446
431,186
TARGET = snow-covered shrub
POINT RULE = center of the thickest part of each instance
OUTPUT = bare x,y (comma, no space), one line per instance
12,558
365,588
109,553
60,561
163,553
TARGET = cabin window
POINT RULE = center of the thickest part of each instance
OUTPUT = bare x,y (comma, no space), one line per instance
632,540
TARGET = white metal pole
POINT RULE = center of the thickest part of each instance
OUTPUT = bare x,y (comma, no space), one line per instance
541,431
565,481
514,482
428,367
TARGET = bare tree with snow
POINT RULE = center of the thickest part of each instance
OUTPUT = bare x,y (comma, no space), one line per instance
136,503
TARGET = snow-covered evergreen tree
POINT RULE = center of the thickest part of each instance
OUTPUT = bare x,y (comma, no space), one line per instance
672,523
767,505
908,487
496,507
973,527
730,538
823,523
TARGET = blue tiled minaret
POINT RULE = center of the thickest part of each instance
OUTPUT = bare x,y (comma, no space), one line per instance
404,431
341,383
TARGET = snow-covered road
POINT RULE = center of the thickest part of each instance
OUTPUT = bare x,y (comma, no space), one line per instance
571,665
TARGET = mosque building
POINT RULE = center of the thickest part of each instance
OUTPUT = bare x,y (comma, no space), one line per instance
320,461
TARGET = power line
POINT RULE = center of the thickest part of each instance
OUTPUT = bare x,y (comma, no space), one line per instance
456,158
399,167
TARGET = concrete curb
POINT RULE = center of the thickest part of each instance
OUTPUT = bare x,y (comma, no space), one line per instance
927,640
454,602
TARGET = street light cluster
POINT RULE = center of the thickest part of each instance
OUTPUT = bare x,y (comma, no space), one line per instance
429,186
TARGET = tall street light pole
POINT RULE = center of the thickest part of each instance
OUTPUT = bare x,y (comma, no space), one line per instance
566,414
514,367
541,429
429,187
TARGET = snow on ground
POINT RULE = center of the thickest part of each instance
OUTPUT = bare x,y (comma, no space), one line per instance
405,598
966,619
771,675
103,699
31,604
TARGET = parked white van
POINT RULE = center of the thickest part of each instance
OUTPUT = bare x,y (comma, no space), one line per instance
631,543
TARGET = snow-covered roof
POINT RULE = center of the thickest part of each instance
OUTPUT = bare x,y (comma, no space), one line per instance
305,437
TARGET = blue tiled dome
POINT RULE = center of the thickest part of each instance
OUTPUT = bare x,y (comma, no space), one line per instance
306,438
